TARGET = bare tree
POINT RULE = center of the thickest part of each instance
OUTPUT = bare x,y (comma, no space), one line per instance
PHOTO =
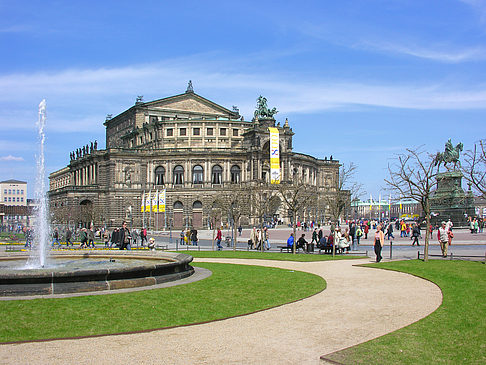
263,202
474,167
296,195
235,202
414,176
346,191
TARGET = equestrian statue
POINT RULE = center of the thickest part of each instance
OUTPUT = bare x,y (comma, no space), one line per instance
451,154
262,110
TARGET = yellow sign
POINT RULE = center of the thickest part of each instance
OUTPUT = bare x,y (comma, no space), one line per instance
155,201
162,201
148,202
142,206
274,156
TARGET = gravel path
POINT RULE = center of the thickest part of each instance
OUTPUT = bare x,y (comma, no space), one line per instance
359,304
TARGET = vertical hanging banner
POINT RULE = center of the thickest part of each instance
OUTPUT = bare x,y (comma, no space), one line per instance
147,202
162,201
155,202
274,156
142,206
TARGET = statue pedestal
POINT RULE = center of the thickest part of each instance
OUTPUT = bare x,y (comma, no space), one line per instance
450,201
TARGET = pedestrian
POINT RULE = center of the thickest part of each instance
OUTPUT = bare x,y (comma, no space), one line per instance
151,244
415,234
114,238
124,237
379,241
182,236
219,236
314,236
106,237
240,229
69,237
389,232
266,236
290,241
55,238
443,237
359,234
143,235
253,238
366,230
83,238
194,237
91,237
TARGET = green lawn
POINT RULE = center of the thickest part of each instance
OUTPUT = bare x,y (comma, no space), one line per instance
231,290
454,334
268,255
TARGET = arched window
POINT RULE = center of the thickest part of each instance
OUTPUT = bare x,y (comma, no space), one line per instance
178,175
235,174
160,176
217,172
197,175
197,205
178,205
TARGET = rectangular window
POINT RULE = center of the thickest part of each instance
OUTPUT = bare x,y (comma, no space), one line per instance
182,131
18,200
22,199
235,132
222,131
9,191
22,191
209,131
5,199
196,131
170,132
18,191
9,199
5,191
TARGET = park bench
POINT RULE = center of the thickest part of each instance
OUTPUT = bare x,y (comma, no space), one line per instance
289,249
162,247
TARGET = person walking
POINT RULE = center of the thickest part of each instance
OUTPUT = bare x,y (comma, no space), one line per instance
91,238
415,234
106,238
69,237
143,235
83,238
124,237
194,237
182,236
219,236
366,230
359,234
379,241
443,237
253,238
55,238
266,236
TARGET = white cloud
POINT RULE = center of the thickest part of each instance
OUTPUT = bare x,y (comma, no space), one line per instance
78,100
441,55
11,158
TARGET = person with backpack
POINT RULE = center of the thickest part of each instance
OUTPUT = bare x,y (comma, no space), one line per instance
359,234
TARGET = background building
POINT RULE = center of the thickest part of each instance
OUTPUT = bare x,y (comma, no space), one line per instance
195,150
13,203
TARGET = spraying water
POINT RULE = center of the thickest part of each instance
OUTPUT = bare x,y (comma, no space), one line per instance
41,231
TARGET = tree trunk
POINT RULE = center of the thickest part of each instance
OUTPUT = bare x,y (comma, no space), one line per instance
427,236
294,227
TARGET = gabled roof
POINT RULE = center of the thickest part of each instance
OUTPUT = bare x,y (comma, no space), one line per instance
190,102
11,181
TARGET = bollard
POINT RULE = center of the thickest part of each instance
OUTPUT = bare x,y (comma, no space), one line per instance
418,255
391,249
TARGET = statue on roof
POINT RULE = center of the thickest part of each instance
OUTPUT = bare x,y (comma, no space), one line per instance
262,110
189,87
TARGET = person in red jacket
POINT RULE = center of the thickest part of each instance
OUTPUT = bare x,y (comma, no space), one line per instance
218,238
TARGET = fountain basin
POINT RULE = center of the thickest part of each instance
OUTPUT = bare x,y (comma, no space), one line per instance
88,272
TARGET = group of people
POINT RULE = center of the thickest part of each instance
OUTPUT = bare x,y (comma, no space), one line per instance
476,225
259,239
188,237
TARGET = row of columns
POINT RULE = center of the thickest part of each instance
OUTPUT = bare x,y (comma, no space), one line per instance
86,175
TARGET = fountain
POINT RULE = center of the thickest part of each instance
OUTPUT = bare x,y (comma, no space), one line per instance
40,274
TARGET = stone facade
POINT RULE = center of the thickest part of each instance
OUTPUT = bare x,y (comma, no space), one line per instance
190,146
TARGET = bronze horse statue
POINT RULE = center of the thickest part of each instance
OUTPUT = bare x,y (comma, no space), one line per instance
451,154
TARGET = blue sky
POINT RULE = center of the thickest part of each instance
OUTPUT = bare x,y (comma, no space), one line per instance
359,80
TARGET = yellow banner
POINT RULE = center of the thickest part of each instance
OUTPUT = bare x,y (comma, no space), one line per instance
274,156
162,201
147,202
142,206
155,201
